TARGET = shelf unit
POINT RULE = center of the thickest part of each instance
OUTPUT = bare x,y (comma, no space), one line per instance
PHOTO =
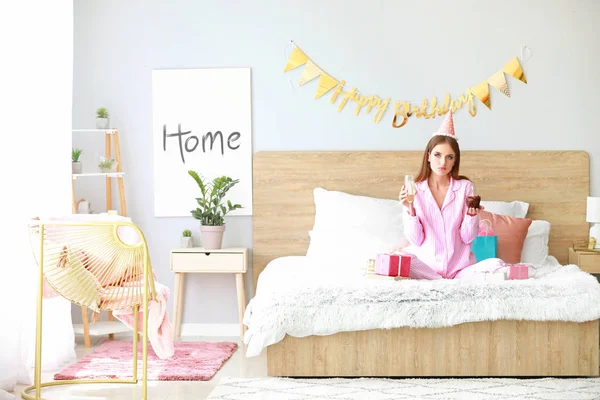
111,139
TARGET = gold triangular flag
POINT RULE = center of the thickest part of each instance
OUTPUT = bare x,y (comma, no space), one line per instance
498,81
326,83
311,71
513,68
297,58
482,92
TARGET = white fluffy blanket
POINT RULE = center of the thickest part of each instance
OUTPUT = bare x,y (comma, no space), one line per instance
300,297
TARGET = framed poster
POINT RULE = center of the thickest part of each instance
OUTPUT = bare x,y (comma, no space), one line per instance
202,122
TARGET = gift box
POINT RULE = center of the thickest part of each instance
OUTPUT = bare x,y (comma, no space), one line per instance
518,271
392,265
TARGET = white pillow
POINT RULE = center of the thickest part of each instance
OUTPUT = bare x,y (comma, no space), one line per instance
535,246
516,208
350,223
350,244
339,210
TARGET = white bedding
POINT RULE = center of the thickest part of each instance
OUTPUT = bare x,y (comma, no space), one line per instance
303,296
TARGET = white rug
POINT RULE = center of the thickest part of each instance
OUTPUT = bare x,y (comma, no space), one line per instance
430,389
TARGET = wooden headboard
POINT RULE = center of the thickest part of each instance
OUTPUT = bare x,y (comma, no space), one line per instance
554,183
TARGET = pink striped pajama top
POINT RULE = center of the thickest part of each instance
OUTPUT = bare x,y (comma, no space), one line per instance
441,239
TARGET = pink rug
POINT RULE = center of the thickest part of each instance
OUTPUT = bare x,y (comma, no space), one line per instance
192,361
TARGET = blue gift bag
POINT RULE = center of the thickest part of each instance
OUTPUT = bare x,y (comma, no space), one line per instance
484,247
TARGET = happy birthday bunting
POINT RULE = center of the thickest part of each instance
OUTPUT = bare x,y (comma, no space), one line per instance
403,109
297,58
311,71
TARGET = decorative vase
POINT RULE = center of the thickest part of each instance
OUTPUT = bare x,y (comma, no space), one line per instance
186,242
102,123
76,167
212,236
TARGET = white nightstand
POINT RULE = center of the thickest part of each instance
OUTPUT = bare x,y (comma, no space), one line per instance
202,261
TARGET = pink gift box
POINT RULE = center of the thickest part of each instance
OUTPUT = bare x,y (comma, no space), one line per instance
392,265
518,271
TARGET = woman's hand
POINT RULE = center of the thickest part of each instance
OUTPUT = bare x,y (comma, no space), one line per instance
474,211
403,197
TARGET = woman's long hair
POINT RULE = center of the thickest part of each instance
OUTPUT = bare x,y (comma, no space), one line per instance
425,171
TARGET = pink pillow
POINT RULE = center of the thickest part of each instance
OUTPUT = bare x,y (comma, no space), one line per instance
511,234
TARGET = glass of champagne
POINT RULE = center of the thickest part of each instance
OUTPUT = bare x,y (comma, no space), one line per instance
409,184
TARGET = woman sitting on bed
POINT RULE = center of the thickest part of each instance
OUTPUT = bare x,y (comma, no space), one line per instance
438,224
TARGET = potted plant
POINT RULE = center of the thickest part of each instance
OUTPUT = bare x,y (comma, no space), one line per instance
102,120
76,165
186,239
107,165
211,211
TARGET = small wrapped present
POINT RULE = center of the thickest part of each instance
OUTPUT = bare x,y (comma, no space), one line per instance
518,271
392,265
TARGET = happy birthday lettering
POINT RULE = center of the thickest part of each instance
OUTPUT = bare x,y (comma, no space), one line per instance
361,100
403,109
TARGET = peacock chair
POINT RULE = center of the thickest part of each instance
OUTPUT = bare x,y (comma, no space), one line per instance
99,264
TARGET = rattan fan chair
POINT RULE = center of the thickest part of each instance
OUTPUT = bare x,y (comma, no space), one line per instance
101,265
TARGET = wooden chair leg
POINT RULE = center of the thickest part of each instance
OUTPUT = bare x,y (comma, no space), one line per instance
111,336
86,328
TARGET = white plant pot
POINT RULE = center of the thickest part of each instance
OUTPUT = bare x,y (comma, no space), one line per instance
76,167
186,242
102,123
212,236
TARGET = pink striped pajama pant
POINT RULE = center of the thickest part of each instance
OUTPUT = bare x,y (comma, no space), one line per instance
420,270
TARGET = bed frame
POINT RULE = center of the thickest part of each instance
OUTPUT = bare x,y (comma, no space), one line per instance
555,183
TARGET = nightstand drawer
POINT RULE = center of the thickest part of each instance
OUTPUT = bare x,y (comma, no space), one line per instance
590,263
207,262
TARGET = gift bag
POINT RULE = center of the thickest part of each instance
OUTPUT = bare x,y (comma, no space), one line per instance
485,244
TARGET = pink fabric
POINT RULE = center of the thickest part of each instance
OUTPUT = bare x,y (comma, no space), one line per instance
192,361
441,239
47,291
160,331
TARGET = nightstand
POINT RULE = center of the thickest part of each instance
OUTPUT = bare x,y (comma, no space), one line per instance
197,260
587,260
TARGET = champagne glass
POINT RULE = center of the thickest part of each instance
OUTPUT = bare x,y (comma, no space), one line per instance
409,184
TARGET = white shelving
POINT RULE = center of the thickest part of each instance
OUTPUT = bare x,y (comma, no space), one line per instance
95,130
106,174
111,142
103,328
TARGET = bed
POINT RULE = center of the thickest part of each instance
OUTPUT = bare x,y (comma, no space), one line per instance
554,183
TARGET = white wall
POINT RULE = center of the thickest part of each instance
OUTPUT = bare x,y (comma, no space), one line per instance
399,49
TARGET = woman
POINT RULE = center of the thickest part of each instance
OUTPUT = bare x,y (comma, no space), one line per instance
439,225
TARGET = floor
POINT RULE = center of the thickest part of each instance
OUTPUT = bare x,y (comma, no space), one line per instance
236,366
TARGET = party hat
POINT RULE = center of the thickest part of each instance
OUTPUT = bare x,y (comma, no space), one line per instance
447,127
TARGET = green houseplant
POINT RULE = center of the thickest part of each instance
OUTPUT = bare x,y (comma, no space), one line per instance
186,239
211,210
102,118
76,164
107,165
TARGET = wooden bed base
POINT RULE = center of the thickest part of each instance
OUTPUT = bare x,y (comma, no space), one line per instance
500,348
555,183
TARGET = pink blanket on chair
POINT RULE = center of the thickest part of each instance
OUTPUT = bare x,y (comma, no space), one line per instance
160,331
